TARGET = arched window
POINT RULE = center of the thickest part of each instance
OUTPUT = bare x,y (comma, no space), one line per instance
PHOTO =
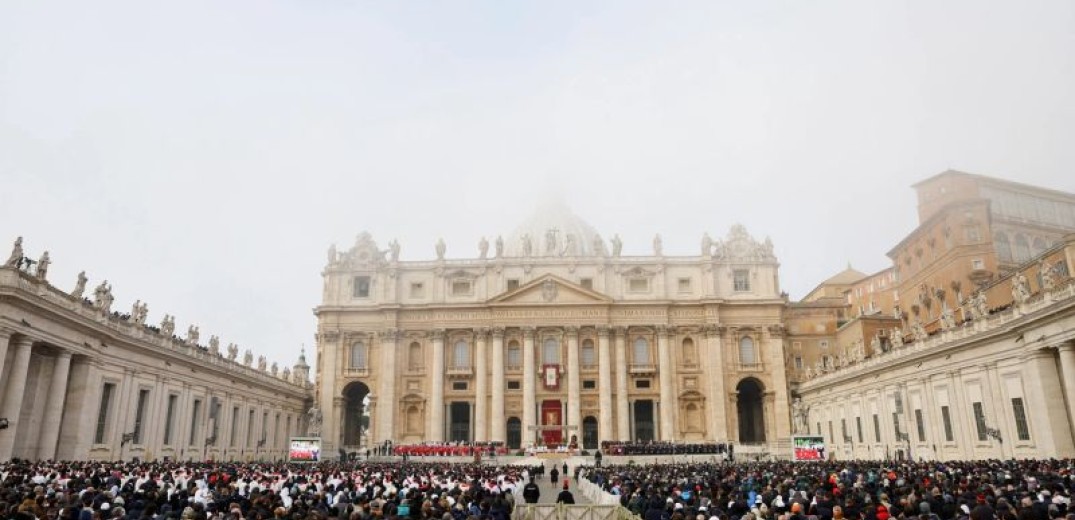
460,354
588,356
1022,248
689,352
747,356
515,355
358,355
1004,247
414,356
550,352
641,352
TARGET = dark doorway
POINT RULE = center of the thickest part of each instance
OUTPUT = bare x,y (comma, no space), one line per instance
751,412
644,428
459,422
515,433
355,421
589,433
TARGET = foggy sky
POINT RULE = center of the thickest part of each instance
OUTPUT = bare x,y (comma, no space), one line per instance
203,155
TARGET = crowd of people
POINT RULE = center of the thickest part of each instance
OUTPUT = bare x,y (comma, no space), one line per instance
665,448
980,490
456,449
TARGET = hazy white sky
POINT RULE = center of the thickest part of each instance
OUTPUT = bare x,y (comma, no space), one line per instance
203,155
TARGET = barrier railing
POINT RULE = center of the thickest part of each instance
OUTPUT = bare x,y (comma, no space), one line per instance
571,512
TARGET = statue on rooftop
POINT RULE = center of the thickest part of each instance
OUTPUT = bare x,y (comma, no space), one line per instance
483,248
261,363
248,358
551,242
441,248
168,326
1048,277
1020,289
393,250
192,335
499,246
214,345
80,286
333,256
233,351
897,337
43,266
599,246
617,245
16,254
707,245
103,297
274,369
658,245
528,246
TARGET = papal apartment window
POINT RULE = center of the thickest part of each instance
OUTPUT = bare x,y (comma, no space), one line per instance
102,412
418,290
741,280
513,283
684,285
361,287
586,283
638,285
139,415
550,352
798,362
461,287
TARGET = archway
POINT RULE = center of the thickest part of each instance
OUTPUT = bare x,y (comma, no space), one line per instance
515,433
751,412
355,421
589,433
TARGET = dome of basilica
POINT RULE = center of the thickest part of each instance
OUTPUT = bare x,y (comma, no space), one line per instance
553,230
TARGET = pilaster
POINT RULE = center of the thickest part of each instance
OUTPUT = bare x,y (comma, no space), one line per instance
436,415
604,384
529,386
481,383
623,407
574,416
668,398
499,429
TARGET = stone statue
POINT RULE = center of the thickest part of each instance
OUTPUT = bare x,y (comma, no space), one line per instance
214,345
332,254
919,331
43,266
599,246
1048,277
168,326
233,351
897,337
313,421
551,242
801,414
528,245
393,250
981,304
248,358
80,286
135,309
499,246
948,318
286,375
483,248
16,254
707,245
274,369
1020,288
571,245
261,363
441,248
617,245
767,248
139,312
102,296
192,335
658,245
876,345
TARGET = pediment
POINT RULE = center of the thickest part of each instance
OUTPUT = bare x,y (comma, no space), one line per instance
550,290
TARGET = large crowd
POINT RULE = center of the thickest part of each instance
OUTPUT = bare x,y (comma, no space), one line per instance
665,448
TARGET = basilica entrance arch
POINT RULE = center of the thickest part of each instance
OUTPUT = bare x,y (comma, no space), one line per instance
751,411
355,422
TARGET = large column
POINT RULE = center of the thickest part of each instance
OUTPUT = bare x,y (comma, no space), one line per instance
481,385
775,359
328,353
574,406
715,356
529,386
668,398
499,429
16,388
1067,375
623,408
5,338
50,427
387,418
604,386
436,393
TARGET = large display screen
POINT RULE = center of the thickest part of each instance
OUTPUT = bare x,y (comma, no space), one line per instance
304,449
808,447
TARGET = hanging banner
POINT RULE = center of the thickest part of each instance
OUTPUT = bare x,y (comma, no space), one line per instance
551,375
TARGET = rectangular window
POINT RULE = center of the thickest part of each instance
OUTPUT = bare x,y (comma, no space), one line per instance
250,427
514,357
589,384
819,428
946,418
642,383
638,285
361,287
233,437
461,287
586,283
513,283
1022,429
169,419
139,415
459,385
418,290
858,426
843,430
195,416
287,431
920,424
513,384
798,362
741,280
977,264
832,438
979,419
876,428
896,424
684,285
102,413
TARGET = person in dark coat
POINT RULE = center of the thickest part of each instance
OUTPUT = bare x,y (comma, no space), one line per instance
565,496
531,492
554,474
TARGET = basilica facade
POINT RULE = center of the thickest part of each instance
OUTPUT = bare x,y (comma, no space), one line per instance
551,336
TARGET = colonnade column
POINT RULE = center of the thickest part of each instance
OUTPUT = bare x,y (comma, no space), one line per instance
50,424
529,386
436,412
574,414
604,386
481,385
623,418
16,388
1067,375
499,428
5,338
668,399
715,351
387,417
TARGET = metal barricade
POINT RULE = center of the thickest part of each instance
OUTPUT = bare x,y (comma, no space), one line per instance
571,512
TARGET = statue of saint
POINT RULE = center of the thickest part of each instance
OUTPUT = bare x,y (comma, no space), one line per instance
801,413
599,246
16,254
393,250
101,296
707,245
143,313
192,335
948,318
499,246
332,254
1048,277
897,337
135,309
1020,289
551,242
919,331
168,326
571,246
313,421
80,286
658,245
43,266
286,375
274,369
483,248
528,246
248,358
981,304
617,245
233,351
214,345
441,248
261,363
